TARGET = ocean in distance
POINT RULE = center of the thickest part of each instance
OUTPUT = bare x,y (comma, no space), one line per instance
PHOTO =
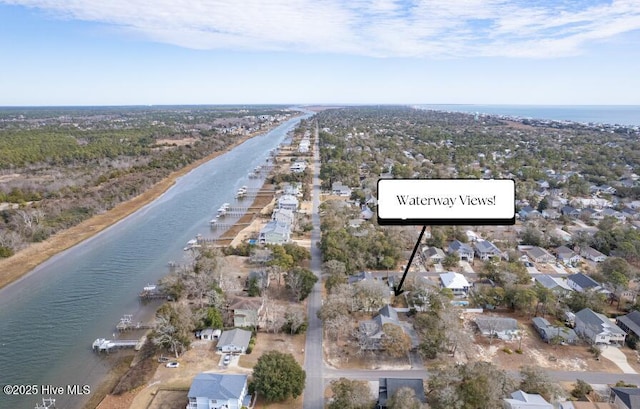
627,115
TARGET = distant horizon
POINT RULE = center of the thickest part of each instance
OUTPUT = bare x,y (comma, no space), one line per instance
289,106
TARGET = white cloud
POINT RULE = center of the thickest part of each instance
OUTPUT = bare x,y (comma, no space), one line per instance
380,28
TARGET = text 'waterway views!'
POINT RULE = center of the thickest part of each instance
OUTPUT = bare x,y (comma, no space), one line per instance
446,201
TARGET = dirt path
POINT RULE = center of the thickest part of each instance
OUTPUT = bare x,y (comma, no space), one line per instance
16,266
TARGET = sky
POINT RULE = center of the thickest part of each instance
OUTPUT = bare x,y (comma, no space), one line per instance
139,52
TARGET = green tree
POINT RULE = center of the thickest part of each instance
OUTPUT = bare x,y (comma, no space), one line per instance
351,394
581,389
213,318
300,281
451,260
253,289
278,377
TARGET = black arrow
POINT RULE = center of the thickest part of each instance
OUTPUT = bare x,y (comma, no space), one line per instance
398,289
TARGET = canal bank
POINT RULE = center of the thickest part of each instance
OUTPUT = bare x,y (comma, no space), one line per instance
50,317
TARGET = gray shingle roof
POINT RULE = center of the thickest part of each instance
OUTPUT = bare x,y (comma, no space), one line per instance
217,386
629,396
486,246
389,386
598,322
631,321
583,280
237,337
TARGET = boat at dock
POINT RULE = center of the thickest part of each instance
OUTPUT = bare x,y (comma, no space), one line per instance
242,192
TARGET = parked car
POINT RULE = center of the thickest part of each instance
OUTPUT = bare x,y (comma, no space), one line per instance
227,359
172,364
163,359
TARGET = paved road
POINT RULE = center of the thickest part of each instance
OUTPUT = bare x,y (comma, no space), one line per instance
313,363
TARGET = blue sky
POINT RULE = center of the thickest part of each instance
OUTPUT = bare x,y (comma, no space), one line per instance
119,52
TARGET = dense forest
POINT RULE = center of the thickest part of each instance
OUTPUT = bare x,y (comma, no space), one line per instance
60,166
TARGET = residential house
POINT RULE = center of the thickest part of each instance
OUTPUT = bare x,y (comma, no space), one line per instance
288,202
338,189
528,213
522,400
371,332
630,213
538,254
284,216
581,282
456,282
293,189
558,286
567,256
630,324
503,328
591,214
597,328
465,252
361,276
389,386
485,250
235,341
609,212
550,332
218,391
246,311
433,254
570,211
626,398
275,233
551,214
298,167
592,254
366,213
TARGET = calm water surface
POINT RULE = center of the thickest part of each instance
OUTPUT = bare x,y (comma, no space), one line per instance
49,319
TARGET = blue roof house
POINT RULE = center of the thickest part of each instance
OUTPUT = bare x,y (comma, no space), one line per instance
218,391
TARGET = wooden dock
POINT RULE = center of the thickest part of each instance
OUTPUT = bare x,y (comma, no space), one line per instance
126,324
106,345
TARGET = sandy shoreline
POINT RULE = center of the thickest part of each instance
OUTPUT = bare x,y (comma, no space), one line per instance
21,263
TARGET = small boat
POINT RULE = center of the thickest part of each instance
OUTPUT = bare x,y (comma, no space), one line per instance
192,244
241,192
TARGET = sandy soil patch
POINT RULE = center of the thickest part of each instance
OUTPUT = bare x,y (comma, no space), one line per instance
534,351
176,142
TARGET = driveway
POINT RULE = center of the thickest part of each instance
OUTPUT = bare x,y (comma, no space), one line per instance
613,354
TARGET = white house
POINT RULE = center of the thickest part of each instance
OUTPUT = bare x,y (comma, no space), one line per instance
338,189
298,167
581,282
465,252
597,328
567,256
218,391
484,250
433,254
592,254
456,282
235,341
538,255
523,400
503,328
289,202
